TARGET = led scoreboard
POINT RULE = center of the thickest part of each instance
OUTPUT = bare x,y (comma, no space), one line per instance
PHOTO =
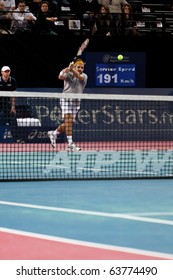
116,75
105,70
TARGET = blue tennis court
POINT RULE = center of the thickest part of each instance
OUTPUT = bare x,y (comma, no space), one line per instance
125,219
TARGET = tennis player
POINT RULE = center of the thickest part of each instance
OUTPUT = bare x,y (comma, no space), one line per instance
75,81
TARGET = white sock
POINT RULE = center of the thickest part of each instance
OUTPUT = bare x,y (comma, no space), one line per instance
56,132
69,139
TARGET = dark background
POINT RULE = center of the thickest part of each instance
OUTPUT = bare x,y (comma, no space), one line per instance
36,61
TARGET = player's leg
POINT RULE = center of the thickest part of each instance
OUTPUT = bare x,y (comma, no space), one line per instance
69,111
52,134
69,119
68,123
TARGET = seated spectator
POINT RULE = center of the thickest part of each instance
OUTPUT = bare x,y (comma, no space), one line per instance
128,25
45,24
22,19
5,19
114,6
104,24
9,5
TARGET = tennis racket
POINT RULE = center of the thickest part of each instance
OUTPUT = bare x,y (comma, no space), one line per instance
82,47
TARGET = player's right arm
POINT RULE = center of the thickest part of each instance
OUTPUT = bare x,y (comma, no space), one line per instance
63,74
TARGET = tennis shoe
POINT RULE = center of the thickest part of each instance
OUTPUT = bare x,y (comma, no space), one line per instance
72,148
52,138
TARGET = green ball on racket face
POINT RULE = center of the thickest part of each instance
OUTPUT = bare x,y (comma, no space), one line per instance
120,57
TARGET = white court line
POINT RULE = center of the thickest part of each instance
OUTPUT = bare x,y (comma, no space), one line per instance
92,213
88,244
152,214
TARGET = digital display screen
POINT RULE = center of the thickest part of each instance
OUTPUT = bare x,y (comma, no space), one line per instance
115,75
104,69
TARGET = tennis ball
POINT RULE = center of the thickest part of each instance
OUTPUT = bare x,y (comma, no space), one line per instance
120,57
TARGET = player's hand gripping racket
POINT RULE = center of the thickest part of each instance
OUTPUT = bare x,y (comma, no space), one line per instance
81,49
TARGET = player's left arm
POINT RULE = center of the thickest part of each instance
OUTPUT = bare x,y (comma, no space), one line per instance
13,98
13,105
81,77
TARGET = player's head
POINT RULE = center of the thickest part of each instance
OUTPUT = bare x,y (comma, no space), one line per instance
79,65
5,71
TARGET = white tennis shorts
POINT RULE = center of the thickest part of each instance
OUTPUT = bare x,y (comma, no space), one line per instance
70,106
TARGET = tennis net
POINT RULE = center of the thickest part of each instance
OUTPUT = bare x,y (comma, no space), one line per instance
120,136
